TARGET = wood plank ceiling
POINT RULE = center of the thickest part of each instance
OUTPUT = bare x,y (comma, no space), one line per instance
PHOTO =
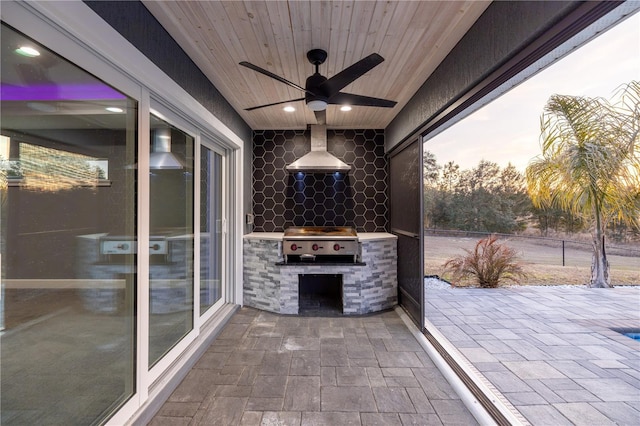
412,36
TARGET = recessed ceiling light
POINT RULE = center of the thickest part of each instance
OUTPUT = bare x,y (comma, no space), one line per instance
345,108
27,51
289,108
114,109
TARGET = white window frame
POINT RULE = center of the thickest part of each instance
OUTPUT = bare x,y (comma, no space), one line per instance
209,143
167,114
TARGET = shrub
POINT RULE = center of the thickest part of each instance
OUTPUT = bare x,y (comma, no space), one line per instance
490,263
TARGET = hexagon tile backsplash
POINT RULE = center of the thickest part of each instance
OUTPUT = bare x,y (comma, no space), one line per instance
282,199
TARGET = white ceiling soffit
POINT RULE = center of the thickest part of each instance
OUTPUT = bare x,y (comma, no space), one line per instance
412,36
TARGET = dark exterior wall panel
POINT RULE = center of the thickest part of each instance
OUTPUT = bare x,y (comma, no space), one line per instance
500,33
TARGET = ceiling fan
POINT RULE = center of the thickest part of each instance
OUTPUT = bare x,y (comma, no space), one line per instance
321,91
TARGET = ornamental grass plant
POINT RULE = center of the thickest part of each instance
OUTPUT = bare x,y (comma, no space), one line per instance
490,263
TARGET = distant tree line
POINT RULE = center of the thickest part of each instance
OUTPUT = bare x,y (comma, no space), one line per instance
488,198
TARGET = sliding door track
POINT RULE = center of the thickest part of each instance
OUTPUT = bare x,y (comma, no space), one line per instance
482,398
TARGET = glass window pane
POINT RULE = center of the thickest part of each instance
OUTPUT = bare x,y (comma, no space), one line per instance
68,240
171,229
210,228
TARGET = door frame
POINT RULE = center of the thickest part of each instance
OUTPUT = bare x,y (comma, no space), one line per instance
415,309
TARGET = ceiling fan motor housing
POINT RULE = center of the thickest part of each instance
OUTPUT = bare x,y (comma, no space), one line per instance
314,93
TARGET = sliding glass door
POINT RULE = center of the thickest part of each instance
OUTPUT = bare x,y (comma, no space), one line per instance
171,243
113,240
212,226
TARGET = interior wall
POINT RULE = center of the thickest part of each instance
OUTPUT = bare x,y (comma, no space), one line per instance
282,199
500,33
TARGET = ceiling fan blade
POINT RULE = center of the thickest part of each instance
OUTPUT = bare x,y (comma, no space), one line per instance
336,83
275,103
321,116
359,100
274,76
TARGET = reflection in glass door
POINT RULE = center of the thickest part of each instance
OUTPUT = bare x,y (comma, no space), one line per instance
68,240
211,228
171,164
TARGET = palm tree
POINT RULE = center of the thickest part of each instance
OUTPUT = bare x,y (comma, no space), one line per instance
590,165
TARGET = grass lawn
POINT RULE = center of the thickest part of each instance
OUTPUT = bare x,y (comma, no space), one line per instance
541,260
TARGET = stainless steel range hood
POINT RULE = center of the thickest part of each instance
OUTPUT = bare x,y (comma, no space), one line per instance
161,156
318,160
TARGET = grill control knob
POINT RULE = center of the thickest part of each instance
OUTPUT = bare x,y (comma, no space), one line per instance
336,247
314,247
294,247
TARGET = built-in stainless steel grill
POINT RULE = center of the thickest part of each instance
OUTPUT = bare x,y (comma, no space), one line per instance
321,244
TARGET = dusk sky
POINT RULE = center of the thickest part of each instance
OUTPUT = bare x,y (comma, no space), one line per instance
508,129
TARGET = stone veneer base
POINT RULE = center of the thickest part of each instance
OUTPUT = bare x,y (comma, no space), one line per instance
366,289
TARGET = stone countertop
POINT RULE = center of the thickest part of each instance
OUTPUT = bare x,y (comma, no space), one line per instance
374,236
362,236
265,236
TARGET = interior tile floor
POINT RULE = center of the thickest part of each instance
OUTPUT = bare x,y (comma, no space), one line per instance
269,369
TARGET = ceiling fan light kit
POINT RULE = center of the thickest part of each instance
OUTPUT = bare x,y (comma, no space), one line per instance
321,91
317,105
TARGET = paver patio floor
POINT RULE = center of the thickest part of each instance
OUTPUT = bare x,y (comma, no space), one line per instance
550,351
268,369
